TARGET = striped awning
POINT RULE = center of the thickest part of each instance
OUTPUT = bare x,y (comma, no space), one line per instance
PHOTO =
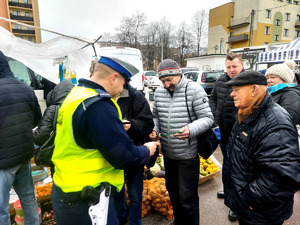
279,55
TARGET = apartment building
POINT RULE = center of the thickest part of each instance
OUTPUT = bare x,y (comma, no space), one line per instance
244,23
24,11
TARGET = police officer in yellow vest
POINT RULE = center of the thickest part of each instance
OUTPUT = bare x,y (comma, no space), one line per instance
91,145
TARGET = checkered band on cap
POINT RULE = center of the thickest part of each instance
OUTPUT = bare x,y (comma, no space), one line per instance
168,67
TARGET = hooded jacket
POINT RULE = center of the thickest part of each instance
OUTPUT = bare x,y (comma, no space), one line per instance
289,99
54,98
261,167
19,114
170,115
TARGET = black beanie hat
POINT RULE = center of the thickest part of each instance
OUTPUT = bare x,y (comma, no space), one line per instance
168,67
248,77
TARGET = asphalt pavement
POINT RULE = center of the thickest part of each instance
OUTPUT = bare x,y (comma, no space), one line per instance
212,209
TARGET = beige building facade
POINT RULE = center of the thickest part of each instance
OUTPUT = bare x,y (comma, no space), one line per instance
244,23
24,11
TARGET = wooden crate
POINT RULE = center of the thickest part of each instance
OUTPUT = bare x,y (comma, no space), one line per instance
203,179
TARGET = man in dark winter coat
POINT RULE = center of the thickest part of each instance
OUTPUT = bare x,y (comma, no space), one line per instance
261,169
136,110
19,114
222,106
54,100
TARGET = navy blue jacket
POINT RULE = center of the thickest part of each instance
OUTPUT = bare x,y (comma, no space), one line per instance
222,106
100,127
261,167
19,114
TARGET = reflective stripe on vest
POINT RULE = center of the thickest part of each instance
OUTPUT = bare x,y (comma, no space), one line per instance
76,167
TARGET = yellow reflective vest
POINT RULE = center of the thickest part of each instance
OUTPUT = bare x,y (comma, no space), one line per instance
76,167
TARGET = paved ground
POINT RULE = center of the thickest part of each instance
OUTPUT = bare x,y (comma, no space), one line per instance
212,209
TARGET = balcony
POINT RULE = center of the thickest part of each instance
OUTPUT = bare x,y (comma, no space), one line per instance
297,24
20,31
234,23
238,38
21,5
23,18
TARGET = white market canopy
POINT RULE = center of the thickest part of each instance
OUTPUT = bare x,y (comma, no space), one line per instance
43,58
288,51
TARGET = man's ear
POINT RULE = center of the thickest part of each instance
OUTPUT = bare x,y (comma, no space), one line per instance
112,78
255,89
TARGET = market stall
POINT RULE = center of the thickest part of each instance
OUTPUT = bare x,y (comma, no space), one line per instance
155,194
279,55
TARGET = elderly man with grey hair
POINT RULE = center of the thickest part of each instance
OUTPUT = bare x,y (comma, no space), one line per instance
261,167
180,147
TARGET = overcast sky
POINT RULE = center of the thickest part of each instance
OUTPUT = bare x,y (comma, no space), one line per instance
91,18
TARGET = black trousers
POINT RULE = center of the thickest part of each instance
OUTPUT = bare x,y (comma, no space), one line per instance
182,179
241,222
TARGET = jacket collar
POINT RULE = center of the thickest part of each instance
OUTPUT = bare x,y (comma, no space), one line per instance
182,83
89,84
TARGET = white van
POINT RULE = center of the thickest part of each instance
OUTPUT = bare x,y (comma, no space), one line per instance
132,56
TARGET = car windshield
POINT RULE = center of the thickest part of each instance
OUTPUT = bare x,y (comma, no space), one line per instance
191,75
212,77
183,70
150,73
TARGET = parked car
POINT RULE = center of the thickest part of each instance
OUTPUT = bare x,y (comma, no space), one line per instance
39,84
148,75
187,69
154,83
207,79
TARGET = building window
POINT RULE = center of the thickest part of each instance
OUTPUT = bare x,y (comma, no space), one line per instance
276,37
15,1
280,0
298,18
268,13
277,22
288,1
27,14
19,27
30,39
296,2
267,30
287,16
26,1
286,32
16,13
297,33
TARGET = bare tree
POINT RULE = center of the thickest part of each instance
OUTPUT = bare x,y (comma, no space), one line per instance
165,33
130,28
150,44
200,28
184,41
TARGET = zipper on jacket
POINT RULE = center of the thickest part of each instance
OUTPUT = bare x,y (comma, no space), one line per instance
169,116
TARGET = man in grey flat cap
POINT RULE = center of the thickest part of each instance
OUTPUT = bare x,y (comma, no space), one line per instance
261,167
180,150
92,147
